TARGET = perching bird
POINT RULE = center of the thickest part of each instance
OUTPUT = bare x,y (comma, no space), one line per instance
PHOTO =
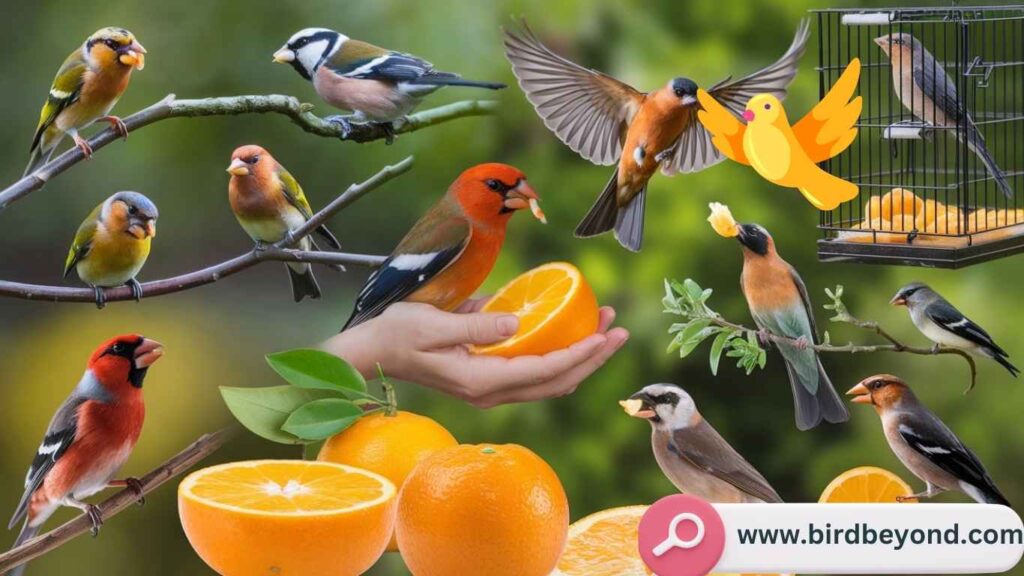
924,88
85,89
92,434
925,445
944,325
451,249
786,155
692,454
113,242
376,84
780,305
269,203
609,122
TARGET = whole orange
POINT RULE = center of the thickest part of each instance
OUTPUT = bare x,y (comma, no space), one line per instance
388,445
498,510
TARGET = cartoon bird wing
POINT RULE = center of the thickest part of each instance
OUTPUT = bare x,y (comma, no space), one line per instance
726,131
705,448
587,110
66,88
296,197
945,315
434,243
82,243
929,437
697,148
829,128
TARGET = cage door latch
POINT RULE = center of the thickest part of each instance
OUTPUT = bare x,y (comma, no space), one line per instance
978,69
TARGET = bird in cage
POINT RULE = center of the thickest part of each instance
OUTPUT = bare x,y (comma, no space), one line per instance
924,88
944,325
609,122
785,155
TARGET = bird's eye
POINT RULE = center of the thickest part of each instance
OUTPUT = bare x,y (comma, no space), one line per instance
679,92
767,106
494,185
133,210
111,44
118,348
253,159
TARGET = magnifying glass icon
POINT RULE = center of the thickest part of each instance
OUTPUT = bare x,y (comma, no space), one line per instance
673,540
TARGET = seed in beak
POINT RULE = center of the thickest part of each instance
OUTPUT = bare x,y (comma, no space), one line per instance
284,56
537,212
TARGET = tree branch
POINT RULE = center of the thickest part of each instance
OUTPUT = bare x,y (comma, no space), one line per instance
172,468
279,252
298,112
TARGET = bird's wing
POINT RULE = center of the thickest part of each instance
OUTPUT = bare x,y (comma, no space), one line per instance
60,434
705,448
805,298
83,240
725,130
949,318
362,60
932,439
66,88
433,244
935,84
296,197
696,149
589,111
829,128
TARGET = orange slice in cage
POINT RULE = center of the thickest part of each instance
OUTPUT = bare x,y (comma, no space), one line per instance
722,221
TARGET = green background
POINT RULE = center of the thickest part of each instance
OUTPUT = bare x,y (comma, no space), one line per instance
218,334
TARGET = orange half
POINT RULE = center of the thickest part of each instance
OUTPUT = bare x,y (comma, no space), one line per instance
866,484
604,544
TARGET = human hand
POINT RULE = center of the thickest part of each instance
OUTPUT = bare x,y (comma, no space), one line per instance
419,343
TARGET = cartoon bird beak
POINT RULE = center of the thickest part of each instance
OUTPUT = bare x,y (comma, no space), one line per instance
898,300
861,394
238,168
524,196
284,56
147,353
639,405
134,55
748,115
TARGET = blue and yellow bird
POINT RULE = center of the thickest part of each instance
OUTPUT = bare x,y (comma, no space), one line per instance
113,242
86,87
269,203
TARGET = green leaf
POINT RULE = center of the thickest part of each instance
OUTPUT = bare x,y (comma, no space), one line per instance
716,350
693,329
318,370
264,410
321,419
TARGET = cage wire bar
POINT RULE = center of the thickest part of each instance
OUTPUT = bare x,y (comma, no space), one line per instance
926,197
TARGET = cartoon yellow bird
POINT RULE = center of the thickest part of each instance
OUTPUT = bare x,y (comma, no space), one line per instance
785,155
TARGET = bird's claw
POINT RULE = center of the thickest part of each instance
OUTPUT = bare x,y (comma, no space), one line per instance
389,132
260,246
136,289
801,343
83,145
936,347
101,299
341,122
764,337
135,485
118,125
95,517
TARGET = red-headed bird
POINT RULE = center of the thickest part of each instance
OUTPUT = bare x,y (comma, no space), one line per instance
92,434
451,249
779,303
269,203
609,122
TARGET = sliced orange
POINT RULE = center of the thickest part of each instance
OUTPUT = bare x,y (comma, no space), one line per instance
556,308
866,484
287,517
722,221
604,544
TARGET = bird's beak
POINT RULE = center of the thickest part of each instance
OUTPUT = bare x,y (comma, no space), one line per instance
238,167
147,353
284,56
882,41
748,115
151,228
898,300
861,394
524,196
639,405
134,55
689,100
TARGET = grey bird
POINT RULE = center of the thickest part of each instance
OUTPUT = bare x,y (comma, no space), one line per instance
691,453
925,445
925,89
944,325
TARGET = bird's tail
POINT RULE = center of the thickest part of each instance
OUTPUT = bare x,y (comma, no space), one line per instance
824,190
449,79
27,533
38,159
824,404
1004,361
976,143
602,215
303,282
986,494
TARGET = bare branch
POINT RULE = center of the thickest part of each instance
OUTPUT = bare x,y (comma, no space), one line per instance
179,464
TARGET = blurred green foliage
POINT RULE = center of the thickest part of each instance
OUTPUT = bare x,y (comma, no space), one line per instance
218,334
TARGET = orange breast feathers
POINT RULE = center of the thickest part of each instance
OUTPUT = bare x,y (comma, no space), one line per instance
257,197
657,126
449,289
768,283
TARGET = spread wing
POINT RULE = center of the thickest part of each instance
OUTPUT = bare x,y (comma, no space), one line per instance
703,447
930,438
66,88
945,315
296,197
589,111
829,128
83,240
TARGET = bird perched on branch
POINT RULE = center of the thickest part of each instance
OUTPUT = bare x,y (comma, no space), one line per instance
269,204
609,122
113,243
451,249
376,84
924,88
86,87
90,437
691,453
787,155
780,305
925,445
944,325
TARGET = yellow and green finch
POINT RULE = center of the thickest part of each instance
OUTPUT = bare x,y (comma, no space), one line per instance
85,89
113,242
269,203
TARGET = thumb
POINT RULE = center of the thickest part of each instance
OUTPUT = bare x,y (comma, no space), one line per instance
475,328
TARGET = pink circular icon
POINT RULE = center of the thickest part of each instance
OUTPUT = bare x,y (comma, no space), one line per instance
681,535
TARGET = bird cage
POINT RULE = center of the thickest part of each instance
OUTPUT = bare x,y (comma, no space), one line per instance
939,156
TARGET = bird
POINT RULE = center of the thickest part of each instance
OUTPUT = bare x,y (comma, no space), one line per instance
113,242
377,84
451,249
780,305
924,88
787,155
943,324
90,437
86,87
923,443
607,121
269,204
691,453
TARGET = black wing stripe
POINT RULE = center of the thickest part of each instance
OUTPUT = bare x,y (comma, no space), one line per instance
947,452
54,445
